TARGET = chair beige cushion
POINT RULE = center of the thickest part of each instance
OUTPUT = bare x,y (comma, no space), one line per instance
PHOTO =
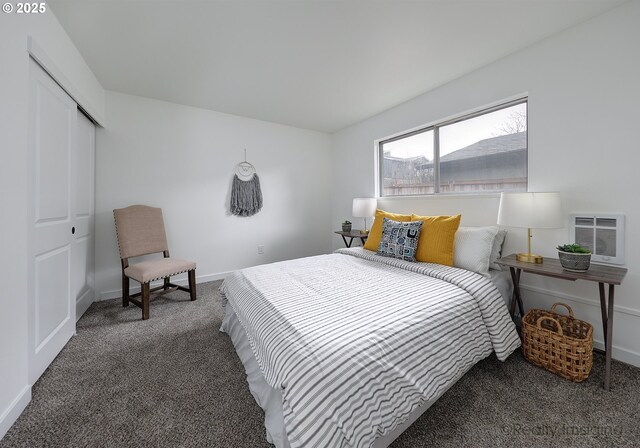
147,271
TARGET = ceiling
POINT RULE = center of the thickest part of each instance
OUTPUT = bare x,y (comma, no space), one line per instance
319,65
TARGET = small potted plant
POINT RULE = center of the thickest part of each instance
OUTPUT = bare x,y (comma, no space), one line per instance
346,226
574,257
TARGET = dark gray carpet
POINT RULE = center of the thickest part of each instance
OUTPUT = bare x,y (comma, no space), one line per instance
175,381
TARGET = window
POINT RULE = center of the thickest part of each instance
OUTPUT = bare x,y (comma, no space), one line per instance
482,152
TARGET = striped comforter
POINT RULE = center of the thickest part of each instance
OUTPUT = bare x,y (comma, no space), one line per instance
356,341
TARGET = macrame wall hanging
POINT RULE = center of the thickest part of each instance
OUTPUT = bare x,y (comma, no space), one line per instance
246,195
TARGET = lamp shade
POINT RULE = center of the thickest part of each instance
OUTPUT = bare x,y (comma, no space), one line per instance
364,207
532,210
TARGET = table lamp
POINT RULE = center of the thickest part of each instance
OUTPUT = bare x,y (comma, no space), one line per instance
364,208
530,210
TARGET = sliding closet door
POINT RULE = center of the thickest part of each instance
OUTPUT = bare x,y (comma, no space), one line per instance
52,146
82,255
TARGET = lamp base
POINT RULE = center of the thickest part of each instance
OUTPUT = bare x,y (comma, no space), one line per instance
529,258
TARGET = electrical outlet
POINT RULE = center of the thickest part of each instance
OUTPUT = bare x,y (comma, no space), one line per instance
260,249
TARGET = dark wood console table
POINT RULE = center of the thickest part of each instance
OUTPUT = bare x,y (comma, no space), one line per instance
551,267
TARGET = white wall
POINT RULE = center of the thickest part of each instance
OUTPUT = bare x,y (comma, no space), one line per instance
584,91
15,392
182,159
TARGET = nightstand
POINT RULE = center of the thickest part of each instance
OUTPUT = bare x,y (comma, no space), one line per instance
551,267
351,235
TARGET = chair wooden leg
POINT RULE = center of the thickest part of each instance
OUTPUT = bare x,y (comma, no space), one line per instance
166,283
125,290
145,300
192,284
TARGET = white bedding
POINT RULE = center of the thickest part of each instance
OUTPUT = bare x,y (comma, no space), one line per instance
270,399
356,343
502,280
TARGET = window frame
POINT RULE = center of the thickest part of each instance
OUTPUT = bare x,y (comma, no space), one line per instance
435,127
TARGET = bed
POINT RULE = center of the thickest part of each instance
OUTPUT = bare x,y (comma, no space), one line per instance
348,349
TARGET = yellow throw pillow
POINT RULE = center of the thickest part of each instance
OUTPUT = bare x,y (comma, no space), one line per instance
375,234
437,238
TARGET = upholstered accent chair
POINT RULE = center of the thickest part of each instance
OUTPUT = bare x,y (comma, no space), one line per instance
140,231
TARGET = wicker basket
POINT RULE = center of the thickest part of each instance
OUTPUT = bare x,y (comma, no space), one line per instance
561,344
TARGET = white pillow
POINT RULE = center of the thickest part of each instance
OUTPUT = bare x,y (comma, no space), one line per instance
496,251
472,250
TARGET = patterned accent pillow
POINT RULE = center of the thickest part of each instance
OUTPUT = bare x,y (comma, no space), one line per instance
399,239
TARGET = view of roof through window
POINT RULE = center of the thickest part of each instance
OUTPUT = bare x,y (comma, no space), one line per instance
483,153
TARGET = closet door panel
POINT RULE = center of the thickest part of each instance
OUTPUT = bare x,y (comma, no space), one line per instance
84,176
52,147
52,295
83,255
52,156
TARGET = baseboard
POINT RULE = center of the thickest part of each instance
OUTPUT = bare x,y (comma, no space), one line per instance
11,414
618,353
117,293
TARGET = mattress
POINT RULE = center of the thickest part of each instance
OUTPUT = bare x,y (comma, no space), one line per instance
347,349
